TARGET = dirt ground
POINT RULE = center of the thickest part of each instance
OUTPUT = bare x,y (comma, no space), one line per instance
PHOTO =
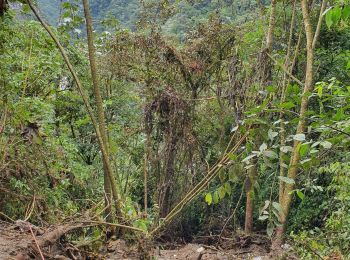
13,243
17,243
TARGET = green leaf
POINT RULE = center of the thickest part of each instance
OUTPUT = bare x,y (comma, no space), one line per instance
303,150
216,197
263,147
299,137
263,217
140,223
270,154
346,12
300,194
287,105
228,188
277,206
319,89
269,229
339,115
208,198
329,20
232,156
326,144
221,192
286,149
248,158
305,161
286,179
336,14
272,134
271,89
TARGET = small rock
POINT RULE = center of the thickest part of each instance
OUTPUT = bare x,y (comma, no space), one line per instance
258,258
20,257
286,246
60,257
200,250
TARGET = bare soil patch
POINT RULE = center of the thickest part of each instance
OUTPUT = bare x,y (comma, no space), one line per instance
17,243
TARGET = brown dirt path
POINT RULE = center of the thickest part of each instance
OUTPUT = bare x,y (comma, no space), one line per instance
13,243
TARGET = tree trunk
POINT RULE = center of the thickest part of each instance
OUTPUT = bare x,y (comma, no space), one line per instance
108,176
269,37
286,81
166,178
286,198
250,196
87,105
265,79
3,7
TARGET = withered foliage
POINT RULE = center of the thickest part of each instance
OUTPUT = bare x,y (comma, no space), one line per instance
172,81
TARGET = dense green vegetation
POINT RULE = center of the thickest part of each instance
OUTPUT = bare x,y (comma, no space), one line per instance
175,108
185,15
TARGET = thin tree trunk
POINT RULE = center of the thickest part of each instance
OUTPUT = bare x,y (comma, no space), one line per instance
269,38
99,104
253,173
87,105
295,157
250,196
285,83
145,181
3,7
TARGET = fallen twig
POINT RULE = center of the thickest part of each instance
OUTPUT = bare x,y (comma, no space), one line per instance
36,242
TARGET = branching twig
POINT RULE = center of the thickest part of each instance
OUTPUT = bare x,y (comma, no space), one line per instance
286,70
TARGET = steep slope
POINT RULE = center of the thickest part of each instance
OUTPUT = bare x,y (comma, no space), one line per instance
188,13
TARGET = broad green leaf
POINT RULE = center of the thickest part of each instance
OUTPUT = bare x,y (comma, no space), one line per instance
286,179
329,20
208,198
277,206
221,192
336,14
300,194
303,150
346,12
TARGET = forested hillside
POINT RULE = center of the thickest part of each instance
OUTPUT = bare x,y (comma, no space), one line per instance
185,15
174,130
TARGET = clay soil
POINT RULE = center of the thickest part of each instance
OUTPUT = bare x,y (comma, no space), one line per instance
17,243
